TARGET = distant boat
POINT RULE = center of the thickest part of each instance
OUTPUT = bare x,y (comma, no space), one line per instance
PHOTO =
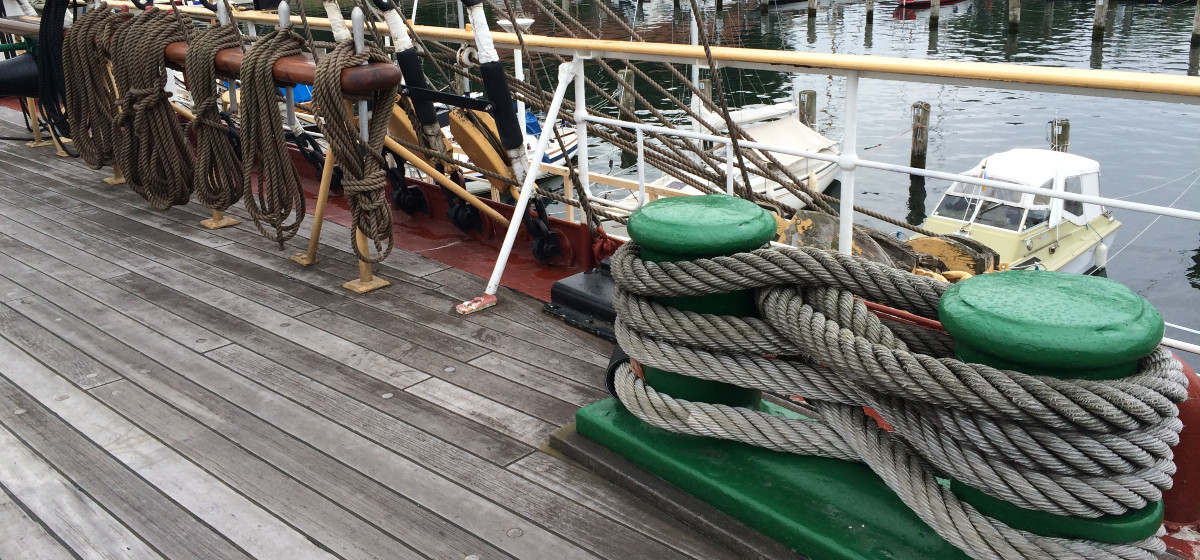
1031,231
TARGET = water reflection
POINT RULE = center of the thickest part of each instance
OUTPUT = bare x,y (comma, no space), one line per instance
1097,59
1194,61
916,200
1193,272
933,40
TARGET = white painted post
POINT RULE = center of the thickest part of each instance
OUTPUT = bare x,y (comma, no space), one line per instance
289,93
581,137
524,24
729,167
566,72
848,161
641,170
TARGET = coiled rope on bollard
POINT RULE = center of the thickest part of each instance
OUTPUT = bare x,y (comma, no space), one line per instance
90,94
1085,448
149,144
218,172
364,179
279,196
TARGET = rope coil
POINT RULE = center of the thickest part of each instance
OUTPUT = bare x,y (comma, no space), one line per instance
218,173
279,196
90,93
1067,447
149,144
364,180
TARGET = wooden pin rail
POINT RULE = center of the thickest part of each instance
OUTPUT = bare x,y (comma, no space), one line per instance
299,69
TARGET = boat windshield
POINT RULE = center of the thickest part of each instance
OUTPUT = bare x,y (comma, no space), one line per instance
987,206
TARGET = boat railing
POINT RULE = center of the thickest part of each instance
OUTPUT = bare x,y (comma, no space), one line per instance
1100,83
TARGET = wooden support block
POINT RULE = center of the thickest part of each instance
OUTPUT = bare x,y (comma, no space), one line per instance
117,178
219,220
366,281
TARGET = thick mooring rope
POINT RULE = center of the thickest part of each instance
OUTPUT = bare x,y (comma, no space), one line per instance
279,196
90,97
1067,447
363,178
149,144
218,172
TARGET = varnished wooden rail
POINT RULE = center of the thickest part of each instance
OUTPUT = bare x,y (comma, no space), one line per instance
1078,81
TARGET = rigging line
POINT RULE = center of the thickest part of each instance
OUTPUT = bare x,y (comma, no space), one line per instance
1154,221
1171,182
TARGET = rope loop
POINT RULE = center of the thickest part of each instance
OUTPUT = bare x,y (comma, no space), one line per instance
364,180
148,141
1081,448
276,203
218,173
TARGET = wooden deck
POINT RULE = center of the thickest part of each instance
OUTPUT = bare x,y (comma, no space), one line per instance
172,392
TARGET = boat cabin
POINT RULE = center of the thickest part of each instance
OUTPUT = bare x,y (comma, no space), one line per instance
1020,225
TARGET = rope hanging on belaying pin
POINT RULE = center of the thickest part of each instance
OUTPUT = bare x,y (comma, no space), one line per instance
90,94
279,196
363,177
149,144
218,173
1083,448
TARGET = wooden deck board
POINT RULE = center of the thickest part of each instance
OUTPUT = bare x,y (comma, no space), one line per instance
217,400
75,519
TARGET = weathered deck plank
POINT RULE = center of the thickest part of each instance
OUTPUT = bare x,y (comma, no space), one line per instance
23,538
72,516
50,404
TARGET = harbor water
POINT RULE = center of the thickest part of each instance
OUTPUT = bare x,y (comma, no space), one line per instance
1148,151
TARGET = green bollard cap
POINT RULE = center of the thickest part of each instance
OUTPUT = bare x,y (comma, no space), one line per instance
1055,324
689,227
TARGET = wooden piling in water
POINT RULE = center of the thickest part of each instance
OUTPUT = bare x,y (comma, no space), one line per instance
806,101
1060,134
1014,15
1195,26
920,134
812,9
763,5
1099,22
871,13
720,5
935,13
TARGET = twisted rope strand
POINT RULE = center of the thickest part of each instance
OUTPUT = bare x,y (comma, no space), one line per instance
1068,447
364,180
148,141
279,196
90,94
218,173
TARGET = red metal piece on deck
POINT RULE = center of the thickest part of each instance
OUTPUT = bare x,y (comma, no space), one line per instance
1182,501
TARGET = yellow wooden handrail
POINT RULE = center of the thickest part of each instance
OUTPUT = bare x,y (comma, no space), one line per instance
1161,87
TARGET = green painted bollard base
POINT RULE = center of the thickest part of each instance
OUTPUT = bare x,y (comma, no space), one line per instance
1132,526
822,508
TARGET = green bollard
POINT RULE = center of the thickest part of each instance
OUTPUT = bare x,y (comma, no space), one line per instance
1059,325
692,227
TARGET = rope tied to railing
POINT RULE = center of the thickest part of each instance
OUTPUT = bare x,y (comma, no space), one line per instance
90,91
1084,448
279,196
364,179
218,175
149,144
